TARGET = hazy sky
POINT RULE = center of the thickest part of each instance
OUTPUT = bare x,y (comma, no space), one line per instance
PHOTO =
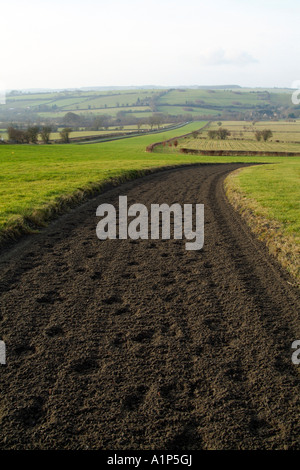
76,43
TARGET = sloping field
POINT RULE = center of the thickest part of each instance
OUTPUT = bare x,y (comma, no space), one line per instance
173,101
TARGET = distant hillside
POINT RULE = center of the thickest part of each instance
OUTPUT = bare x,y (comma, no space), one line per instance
128,105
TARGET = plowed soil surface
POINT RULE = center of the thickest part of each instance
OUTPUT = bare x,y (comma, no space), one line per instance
124,344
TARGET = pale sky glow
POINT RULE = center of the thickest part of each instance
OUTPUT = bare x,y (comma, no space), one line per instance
75,43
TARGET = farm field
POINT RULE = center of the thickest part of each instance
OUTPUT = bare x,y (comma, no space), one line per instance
54,105
190,110
72,100
284,131
223,98
140,111
248,145
286,137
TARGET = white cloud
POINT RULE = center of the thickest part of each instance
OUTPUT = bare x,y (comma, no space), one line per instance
219,57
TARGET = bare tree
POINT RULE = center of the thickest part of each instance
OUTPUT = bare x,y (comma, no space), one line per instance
32,134
65,135
267,134
223,133
45,134
258,136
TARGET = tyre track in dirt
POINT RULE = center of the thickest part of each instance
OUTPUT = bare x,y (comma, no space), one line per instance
141,344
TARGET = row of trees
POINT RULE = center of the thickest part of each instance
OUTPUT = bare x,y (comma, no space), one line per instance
29,135
32,133
223,133
104,121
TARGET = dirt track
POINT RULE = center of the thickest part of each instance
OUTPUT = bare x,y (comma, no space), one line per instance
144,345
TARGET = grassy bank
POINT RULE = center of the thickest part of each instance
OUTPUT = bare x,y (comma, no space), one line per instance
268,198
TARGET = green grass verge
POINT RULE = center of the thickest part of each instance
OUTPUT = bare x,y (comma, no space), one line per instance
268,197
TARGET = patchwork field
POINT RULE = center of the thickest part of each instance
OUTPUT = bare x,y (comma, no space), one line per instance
144,102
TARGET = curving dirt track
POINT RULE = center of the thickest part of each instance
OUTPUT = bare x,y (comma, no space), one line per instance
125,344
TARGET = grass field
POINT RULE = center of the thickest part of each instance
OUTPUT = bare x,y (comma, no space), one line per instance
186,109
224,98
139,111
34,178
